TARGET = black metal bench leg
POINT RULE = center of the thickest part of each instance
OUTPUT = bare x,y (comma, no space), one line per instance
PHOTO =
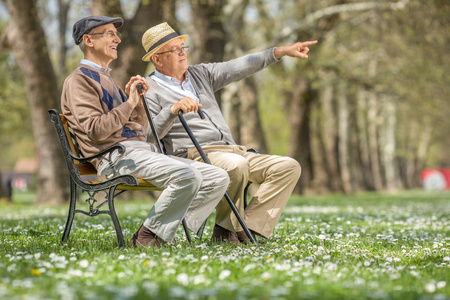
72,206
246,194
186,231
200,230
115,219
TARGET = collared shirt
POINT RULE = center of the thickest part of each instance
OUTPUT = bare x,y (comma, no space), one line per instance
183,89
94,65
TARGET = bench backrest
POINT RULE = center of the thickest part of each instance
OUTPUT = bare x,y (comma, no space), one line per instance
86,168
68,142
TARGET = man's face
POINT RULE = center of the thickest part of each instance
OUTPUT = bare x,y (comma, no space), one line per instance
105,41
172,63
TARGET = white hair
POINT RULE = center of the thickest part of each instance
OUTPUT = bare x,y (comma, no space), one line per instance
82,46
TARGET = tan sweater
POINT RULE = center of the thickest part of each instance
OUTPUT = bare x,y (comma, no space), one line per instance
97,111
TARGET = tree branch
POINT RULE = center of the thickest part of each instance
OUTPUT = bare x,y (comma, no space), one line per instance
330,11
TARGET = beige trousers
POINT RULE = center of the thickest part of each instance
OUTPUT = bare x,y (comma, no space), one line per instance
276,176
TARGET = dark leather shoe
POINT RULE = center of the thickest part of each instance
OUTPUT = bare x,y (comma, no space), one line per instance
244,239
144,238
224,235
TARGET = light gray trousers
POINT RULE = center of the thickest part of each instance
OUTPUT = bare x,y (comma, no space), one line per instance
191,189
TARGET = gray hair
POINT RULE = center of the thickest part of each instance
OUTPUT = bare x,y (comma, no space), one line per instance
151,60
82,46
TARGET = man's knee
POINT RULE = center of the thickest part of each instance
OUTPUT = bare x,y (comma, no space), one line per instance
187,174
223,178
238,169
290,167
295,167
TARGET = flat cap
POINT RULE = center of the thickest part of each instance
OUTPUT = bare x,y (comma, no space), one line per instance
85,25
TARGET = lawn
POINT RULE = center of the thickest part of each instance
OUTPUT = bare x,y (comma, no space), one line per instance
394,246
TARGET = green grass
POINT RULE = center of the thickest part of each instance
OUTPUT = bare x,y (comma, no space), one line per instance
324,247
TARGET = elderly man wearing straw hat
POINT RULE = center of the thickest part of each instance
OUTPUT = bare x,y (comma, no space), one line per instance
101,116
175,86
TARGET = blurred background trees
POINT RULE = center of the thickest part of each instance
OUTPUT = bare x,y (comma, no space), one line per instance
366,111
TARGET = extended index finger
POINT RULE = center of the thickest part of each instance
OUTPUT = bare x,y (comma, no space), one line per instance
309,43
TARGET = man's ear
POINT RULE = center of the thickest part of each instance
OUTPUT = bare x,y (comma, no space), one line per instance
87,40
155,60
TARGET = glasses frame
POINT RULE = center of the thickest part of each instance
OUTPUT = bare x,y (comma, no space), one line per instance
178,49
116,33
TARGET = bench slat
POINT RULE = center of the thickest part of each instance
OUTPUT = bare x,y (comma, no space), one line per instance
143,186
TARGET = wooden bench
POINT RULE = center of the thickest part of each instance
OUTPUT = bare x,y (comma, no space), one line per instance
81,172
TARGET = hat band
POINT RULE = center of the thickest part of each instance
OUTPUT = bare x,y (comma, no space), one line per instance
163,40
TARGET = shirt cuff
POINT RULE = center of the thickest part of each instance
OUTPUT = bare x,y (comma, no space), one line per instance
273,53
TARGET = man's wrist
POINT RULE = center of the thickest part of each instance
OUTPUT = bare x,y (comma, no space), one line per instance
278,53
172,109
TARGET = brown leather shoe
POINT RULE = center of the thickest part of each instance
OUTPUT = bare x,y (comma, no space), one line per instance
244,239
144,238
224,235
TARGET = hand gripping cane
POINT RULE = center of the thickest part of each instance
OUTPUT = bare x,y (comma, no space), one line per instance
206,160
158,142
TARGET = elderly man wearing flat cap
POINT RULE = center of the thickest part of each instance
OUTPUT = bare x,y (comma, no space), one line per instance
175,85
102,115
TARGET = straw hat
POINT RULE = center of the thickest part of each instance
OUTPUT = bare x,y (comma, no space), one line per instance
156,37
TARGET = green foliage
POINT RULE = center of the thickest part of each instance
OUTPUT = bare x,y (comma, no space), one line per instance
16,134
327,247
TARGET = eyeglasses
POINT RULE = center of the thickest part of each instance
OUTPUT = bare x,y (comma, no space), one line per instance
109,34
176,50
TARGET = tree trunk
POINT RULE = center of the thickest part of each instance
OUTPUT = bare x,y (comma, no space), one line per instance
25,36
372,113
422,149
207,31
3,194
251,132
363,140
410,154
389,145
372,130
404,144
320,183
208,34
62,16
343,141
357,171
329,136
299,105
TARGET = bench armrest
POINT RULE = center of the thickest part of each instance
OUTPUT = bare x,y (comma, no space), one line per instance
100,155
254,150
